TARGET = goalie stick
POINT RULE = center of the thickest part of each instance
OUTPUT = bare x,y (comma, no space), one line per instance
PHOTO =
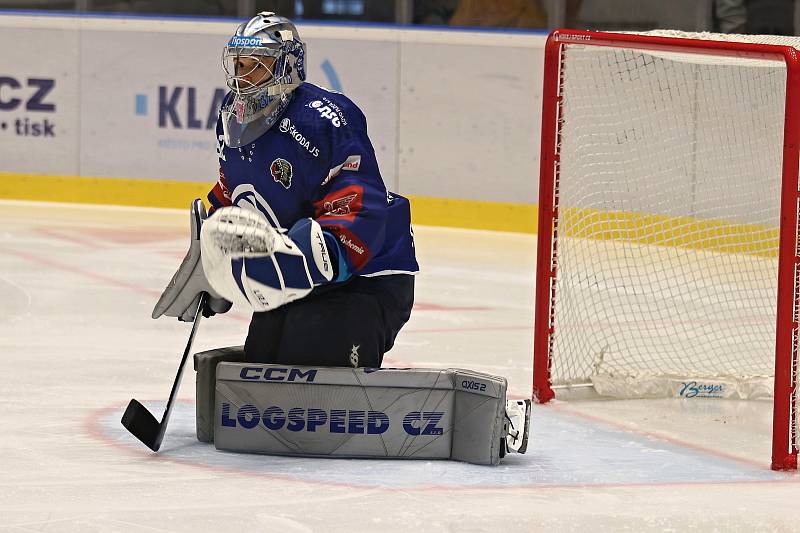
138,420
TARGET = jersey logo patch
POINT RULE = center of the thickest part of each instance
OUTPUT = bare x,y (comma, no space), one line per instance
353,163
354,355
343,204
287,127
356,250
339,207
281,171
330,111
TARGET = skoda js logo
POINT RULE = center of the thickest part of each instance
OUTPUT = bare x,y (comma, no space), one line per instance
286,126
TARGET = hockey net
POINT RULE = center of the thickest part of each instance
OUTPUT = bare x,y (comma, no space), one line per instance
663,247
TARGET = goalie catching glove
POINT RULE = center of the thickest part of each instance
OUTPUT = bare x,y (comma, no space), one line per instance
182,295
254,265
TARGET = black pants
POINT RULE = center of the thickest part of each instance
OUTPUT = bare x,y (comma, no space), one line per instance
351,324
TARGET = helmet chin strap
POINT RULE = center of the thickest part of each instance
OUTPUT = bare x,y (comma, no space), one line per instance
282,89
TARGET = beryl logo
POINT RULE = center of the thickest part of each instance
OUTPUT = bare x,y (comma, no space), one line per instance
19,95
695,389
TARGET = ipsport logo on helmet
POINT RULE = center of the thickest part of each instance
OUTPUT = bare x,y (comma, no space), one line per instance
247,42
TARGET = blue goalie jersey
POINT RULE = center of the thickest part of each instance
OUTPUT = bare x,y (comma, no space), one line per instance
317,161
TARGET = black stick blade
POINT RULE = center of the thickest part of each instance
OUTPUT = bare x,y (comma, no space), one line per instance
142,425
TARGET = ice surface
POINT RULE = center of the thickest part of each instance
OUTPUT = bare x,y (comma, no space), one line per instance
77,285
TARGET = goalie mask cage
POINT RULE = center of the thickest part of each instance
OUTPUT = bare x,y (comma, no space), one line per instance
668,220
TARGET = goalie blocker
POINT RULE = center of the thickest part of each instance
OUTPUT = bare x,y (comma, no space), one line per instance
356,412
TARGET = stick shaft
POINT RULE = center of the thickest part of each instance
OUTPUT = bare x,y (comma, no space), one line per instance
176,384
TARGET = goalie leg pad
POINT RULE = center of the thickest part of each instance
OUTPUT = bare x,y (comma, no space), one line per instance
205,364
341,412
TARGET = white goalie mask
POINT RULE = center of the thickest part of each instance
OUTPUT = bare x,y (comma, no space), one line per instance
263,63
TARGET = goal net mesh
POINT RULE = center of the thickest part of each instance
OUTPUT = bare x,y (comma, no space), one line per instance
666,238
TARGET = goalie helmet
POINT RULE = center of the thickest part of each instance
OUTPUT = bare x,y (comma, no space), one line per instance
264,61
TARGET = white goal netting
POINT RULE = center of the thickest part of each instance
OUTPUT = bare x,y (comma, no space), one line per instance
668,212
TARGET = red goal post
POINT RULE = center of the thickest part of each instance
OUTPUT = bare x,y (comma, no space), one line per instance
649,53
